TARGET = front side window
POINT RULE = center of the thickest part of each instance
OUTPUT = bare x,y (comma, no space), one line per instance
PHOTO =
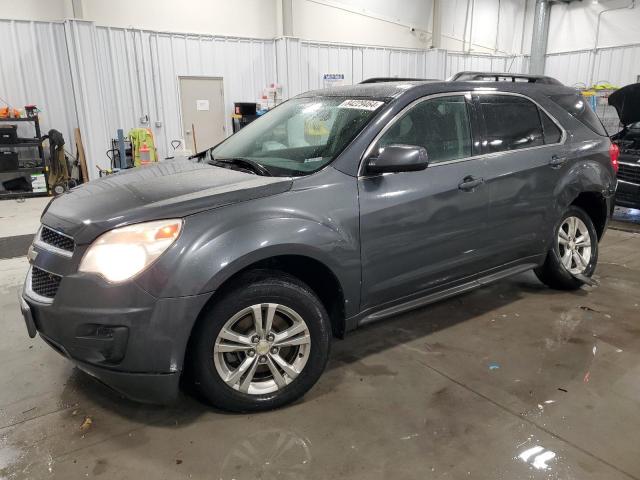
441,125
300,136
511,123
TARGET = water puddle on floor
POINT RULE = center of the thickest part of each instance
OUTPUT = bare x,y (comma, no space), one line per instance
271,453
10,457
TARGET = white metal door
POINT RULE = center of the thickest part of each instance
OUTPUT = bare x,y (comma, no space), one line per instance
203,120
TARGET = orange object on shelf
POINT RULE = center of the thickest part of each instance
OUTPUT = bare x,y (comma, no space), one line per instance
6,112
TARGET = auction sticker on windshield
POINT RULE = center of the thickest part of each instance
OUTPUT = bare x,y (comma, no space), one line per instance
361,104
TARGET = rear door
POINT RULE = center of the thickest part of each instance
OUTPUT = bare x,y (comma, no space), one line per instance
420,230
525,157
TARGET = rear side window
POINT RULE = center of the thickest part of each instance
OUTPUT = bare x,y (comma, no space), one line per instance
576,105
552,134
511,123
441,125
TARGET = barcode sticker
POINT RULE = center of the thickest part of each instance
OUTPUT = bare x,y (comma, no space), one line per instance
361,104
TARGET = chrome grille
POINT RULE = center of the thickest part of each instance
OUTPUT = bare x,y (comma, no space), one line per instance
629,173
55,239
44,283
630,151
627,197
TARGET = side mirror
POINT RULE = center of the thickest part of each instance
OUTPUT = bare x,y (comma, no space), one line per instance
398,158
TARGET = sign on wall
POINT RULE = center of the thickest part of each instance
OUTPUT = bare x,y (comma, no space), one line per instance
202,105
333,80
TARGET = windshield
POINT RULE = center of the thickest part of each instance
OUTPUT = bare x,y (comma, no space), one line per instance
300,136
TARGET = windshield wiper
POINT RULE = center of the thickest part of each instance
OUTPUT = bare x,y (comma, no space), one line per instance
246,163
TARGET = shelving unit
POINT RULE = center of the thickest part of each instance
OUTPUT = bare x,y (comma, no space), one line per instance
32,143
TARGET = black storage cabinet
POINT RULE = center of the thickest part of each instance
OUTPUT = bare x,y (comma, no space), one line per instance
8,134
15,177
8,161
243,114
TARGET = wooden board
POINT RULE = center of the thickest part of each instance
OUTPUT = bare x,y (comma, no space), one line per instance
81,157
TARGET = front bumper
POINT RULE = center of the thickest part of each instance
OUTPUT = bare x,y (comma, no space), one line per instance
156,388
120,334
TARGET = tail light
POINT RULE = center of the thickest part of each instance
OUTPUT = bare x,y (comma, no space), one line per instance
614,153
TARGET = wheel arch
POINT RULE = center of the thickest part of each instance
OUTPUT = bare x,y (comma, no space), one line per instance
589,185
595,205
306,266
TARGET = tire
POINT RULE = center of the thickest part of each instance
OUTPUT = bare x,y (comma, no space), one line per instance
554,273
210,358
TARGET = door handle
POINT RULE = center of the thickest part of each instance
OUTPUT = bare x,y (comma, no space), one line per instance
556,161
469,183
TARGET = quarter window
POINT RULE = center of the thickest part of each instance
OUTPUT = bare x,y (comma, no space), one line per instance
511,123
576,105
441,125
552,134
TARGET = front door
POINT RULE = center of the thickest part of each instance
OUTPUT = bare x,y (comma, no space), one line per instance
420,230
203,120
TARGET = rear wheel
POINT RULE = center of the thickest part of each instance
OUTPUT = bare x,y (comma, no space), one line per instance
574,253
263,344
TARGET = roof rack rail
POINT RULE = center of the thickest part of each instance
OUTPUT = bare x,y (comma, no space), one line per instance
502,77
393,79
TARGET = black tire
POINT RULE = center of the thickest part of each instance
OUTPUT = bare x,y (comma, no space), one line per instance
59,189
258,287
553,273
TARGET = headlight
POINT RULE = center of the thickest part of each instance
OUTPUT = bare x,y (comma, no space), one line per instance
124,252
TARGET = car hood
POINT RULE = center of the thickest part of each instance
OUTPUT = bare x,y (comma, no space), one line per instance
169,189
627,103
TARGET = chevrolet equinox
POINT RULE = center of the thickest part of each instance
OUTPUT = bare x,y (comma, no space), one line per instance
235,268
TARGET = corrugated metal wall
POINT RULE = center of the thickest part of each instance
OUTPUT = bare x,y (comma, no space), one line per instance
123,76
618,66
246,66
302,64
570,68
34,69
458,62
101,78
91,103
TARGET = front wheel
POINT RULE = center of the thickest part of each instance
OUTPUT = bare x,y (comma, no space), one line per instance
262,345
574,252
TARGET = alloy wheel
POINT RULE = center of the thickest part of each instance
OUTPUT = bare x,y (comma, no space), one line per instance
574,245
262,348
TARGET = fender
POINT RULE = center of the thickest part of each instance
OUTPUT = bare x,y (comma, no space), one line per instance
588,170
291,236
216,244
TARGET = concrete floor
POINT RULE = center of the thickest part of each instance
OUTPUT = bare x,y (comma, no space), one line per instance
21,217
512,381
626,219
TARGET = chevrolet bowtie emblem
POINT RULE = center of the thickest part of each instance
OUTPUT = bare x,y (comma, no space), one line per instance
31,254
